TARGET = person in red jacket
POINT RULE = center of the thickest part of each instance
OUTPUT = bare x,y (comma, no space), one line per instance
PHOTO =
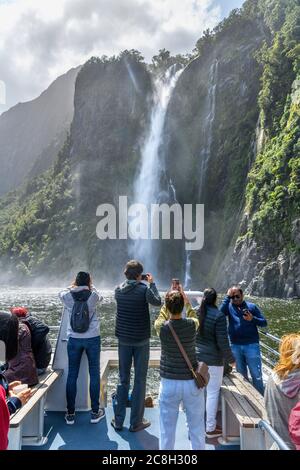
4,420
294,425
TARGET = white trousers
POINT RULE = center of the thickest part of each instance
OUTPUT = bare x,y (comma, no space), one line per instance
171,394
212,396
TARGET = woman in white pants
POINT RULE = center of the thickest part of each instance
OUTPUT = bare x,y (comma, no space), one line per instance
212,346
177,384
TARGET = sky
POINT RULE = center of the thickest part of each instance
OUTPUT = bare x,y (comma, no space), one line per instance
40,40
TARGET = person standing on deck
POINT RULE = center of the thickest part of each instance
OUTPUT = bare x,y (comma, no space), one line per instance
177,384
133,332
244,318
213,348
82,292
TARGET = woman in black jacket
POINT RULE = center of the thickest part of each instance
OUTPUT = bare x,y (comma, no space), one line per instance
212,347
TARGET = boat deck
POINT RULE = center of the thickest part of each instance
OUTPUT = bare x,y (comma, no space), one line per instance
101,436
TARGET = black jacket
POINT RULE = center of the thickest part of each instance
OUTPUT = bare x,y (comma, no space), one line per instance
133,317
212,343
172,363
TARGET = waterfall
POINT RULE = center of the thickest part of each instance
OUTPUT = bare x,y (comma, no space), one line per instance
208,124
147,184
187,273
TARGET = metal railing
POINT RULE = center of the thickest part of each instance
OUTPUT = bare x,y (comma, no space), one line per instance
267,428
269,354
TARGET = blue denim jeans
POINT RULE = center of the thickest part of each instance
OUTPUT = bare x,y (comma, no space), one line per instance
75,348
140,356
248,355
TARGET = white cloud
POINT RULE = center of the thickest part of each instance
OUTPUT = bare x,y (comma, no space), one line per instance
40,40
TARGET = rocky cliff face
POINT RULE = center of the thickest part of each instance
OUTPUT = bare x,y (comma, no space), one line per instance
112,111
209,141
266,256
32,133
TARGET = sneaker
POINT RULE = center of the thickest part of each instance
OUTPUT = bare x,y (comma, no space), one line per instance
70,418
139,427
117,427
216,433
96,417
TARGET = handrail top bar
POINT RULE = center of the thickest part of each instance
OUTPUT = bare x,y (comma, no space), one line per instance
268,348
279,441
269,335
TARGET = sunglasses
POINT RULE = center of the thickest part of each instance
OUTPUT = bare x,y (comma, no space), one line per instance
235,297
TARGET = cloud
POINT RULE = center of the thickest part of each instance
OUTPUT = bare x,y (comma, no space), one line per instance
40,40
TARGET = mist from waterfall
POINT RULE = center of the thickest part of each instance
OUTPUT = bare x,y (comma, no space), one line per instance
147,184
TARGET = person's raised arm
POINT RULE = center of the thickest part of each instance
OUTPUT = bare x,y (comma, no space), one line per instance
258,317
152,294
161,319
190,312
224,307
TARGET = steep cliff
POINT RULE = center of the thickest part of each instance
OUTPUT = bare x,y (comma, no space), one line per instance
48,227
266,256
32,133
209,138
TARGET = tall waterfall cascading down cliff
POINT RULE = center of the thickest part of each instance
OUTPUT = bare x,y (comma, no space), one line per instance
208,124
147,184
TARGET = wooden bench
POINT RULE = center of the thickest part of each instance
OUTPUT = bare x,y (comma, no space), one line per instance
27,424
242,409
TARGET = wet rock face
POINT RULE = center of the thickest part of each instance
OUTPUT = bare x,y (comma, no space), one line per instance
112,113
274,278
296,232
208,138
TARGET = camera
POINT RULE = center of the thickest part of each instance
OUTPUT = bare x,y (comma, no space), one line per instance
144,277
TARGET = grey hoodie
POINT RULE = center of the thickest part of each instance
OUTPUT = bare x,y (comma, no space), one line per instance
280,397
67,299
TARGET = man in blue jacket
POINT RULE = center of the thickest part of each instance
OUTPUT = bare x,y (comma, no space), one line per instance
244,318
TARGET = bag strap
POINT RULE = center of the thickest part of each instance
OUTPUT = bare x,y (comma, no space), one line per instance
182,350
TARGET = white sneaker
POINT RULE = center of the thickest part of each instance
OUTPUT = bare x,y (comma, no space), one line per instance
96,417
69,418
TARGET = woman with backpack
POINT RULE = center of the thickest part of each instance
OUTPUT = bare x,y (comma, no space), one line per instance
80,301
212,347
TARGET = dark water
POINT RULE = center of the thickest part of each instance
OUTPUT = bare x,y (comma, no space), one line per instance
283,317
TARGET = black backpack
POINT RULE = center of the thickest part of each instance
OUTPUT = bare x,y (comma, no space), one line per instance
38,330
80,316
41,346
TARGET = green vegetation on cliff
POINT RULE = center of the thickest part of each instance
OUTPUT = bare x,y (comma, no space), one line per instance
35,219
273,191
